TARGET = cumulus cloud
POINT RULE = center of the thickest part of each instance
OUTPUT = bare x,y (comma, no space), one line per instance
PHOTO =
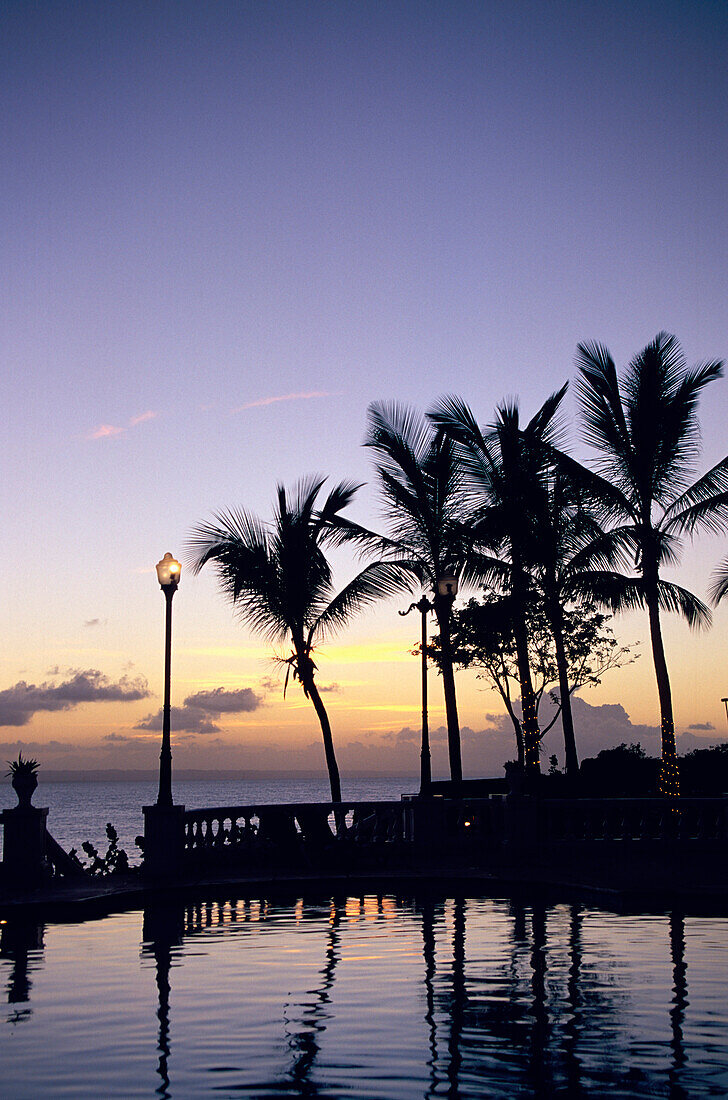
702,726
93,622
220,701
333,688
182,720
282,397
20,702
200,711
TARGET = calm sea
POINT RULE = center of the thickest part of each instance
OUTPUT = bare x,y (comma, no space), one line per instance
80,811
385,997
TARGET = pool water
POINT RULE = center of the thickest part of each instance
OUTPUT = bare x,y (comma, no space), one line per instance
375,996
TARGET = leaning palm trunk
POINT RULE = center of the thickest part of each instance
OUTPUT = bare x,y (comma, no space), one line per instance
669,776
567,718
530,727
305,672
442,612
531,731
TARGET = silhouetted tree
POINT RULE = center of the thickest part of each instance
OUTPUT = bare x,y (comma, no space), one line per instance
646,430
483,640
279,579
503,467
429,539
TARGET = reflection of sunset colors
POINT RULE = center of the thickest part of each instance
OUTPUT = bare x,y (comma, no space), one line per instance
228,230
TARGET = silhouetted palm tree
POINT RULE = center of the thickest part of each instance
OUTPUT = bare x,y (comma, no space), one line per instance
504,466
429,538
574,563
278,577
646,429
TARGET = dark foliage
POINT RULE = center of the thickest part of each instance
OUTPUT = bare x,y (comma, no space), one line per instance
115,862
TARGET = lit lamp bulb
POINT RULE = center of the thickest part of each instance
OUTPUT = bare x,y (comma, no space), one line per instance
447,586
168,571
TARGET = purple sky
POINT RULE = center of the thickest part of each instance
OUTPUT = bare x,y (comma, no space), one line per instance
228,227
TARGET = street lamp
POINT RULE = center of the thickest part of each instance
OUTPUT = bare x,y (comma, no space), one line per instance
168,573
725,703
423,606
447,588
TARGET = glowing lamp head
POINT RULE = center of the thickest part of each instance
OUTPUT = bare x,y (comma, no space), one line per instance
447,586
168,571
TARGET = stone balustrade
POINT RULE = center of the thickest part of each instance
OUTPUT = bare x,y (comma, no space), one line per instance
633,819
312,825
469,825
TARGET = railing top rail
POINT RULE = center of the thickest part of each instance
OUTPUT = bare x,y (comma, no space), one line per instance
684,801
250,809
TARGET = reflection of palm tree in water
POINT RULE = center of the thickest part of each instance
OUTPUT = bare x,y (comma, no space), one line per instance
457,1009
679,998
540,1019
573,1000
17,941
304,1042
428,955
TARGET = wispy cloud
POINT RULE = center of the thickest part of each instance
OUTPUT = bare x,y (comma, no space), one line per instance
106,431
282,397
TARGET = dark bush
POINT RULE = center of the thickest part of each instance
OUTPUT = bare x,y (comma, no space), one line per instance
621,772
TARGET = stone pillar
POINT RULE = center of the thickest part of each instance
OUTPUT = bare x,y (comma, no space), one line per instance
25,862
164,840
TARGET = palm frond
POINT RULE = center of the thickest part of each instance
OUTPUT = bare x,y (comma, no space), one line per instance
605,426
718,589
378,581
674,598
605,588
704,505
544,429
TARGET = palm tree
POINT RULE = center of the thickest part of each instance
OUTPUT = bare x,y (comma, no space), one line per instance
504,466
279,579
575,565
646,430
428,539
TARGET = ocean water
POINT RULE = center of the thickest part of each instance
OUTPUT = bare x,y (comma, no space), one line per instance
80,811
385,997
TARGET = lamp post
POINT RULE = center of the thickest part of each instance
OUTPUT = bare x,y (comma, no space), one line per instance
447,587
725,703
168,573
423,606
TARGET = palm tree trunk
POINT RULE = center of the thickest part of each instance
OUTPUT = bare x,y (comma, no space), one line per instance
567,719
531,731
669,777
518,730
333,768
442,612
